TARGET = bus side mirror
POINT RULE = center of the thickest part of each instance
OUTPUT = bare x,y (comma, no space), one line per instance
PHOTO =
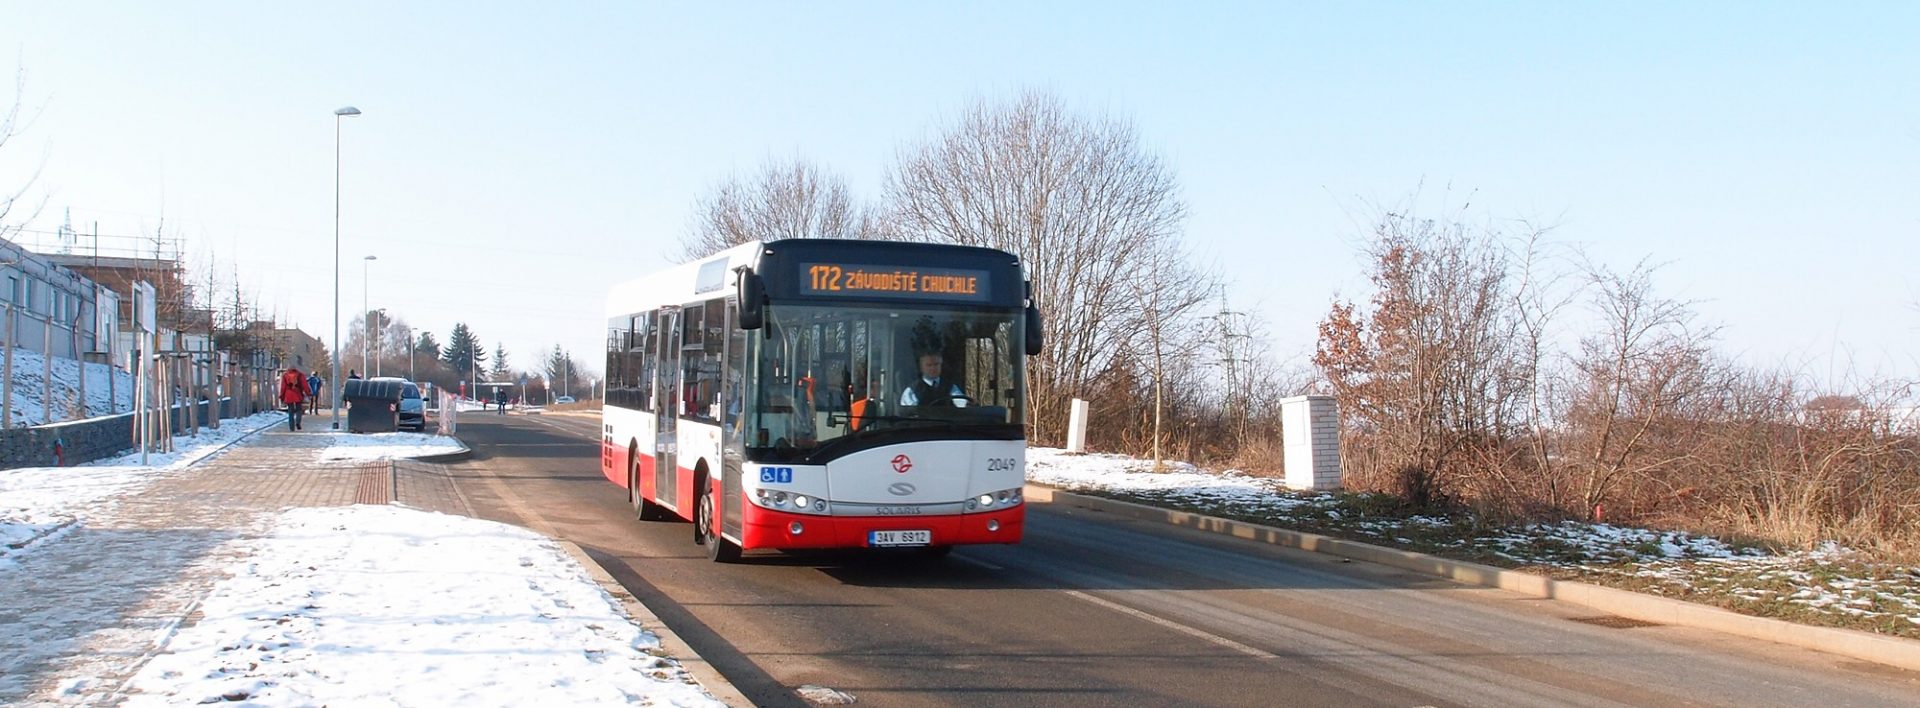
1035,333
753,300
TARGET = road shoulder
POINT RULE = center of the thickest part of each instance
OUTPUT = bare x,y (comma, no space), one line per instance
1888,651
676,648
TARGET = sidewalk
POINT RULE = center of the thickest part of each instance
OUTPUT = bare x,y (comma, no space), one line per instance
83,611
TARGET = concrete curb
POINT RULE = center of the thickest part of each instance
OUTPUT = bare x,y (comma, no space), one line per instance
443,457
216,452
1865,646
710,679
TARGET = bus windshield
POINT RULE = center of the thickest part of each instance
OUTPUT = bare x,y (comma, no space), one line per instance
831,374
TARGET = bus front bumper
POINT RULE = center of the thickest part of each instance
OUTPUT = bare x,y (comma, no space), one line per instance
765,528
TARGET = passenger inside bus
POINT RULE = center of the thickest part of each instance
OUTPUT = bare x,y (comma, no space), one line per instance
857,395
823,413
830,397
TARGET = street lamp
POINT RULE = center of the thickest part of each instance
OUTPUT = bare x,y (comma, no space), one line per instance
380,337
366,307
335,354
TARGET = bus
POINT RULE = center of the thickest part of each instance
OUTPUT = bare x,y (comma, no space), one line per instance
824,393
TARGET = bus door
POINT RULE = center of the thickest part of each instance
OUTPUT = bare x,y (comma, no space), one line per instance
666,446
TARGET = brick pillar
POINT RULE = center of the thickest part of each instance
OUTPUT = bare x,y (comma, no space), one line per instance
1311,428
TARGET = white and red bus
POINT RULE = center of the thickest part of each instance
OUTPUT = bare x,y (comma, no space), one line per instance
821,393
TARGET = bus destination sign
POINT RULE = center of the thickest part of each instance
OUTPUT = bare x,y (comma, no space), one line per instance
851,280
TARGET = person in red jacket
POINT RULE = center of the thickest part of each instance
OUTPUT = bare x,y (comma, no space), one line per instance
293,393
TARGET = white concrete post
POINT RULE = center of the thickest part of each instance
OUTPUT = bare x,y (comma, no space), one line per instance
1077,428
1311,427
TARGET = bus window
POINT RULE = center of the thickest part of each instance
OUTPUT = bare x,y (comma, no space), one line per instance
645,353
736,370
617,335
828,373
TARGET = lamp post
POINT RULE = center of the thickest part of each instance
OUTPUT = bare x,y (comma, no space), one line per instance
334,382
380,336
366,307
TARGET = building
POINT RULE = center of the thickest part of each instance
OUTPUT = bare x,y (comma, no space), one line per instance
288,346
172,294
50,308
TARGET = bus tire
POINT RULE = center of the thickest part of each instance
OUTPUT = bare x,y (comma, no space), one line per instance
706,527
643,508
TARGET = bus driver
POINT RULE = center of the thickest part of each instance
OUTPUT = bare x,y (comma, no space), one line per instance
932,388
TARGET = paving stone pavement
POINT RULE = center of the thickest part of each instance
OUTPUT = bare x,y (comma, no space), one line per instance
97,600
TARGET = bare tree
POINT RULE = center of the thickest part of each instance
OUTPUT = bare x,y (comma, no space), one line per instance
788,200
1426,376
1538,299
1166,315
1084,205
11,220
1633,383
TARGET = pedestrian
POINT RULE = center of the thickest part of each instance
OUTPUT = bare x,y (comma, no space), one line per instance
313,392
500,398
353,374
293,393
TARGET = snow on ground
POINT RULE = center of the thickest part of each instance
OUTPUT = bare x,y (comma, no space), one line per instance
1831,580
365,605
369,447
1180,480
29,402
1609,543
36,502
373,605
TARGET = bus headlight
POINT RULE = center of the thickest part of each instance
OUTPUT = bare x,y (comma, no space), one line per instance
789,501
994,500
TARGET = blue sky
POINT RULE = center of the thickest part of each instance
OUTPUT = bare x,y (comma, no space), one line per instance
516,159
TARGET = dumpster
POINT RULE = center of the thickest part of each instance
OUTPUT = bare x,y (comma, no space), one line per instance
372,406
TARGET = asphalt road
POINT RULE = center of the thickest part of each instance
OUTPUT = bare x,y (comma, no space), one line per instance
1095,611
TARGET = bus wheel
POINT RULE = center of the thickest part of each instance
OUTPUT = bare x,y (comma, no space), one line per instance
705,529
643,508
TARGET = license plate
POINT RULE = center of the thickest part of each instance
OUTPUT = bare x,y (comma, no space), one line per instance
899,538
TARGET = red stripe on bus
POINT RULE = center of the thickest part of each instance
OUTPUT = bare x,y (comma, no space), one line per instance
766,528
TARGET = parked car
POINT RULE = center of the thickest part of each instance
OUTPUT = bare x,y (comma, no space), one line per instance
563,399
413,408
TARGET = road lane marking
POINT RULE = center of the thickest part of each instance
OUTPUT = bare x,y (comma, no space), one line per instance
1130,612
1170,624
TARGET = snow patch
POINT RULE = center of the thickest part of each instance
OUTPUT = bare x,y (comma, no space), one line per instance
385,446
381,605
821,695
